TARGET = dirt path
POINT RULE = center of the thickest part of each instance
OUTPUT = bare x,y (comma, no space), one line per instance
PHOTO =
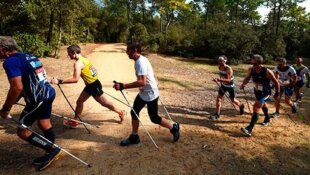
205,147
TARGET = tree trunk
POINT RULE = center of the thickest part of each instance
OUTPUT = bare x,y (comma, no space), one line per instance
279,17
50,29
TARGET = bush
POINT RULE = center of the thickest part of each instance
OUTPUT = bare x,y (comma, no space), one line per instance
31,44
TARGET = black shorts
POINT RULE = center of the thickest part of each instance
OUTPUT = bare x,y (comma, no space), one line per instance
32,112
261,96
231,91
94,89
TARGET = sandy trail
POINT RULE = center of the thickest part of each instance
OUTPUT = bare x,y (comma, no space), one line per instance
205,147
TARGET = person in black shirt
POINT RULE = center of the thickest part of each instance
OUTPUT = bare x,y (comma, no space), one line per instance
261,77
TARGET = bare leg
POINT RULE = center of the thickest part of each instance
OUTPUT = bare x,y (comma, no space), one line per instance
80,103
236,102
104,102
277,103
297,93
288,101
165,123
135,126
218,104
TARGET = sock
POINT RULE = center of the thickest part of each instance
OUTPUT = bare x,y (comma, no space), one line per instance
267,117
35,140
253,120
50,134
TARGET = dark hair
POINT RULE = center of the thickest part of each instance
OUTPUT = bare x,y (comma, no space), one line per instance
258,58
281,60
8,43
74,49
133,46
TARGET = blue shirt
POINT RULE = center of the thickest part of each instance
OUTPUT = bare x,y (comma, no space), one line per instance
36,87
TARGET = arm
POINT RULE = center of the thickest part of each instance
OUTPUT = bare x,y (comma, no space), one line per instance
246,79
293,80
141,81
16,87
275,81
78,66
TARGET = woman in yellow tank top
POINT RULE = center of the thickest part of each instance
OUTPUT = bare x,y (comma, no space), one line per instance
84,69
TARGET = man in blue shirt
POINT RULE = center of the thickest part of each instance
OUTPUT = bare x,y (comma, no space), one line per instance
27,78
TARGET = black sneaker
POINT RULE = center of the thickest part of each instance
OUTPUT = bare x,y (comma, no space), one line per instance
39,160
266,123
241,108
132,139
275,115
175,131
49,158
246,131
294,108
214,117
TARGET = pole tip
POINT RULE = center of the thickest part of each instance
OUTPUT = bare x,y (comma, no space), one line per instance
89,166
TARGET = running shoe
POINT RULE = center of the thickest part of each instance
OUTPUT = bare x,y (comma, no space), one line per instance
275,115
132,139
246,131
214,117
175,131
49,158
70,124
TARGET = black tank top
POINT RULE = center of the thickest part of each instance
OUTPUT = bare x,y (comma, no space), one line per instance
261,81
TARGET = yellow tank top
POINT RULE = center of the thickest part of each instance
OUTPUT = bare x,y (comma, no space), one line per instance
89,73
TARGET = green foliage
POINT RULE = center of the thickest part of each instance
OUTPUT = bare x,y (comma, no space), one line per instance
203,28
138,32
31,44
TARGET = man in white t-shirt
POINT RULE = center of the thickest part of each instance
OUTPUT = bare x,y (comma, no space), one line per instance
287,78
148,95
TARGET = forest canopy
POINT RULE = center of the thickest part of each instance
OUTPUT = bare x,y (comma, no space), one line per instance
192,28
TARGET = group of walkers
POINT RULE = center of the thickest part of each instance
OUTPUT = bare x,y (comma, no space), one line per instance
285,79
28,79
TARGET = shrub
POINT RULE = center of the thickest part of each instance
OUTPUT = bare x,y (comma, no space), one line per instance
31,44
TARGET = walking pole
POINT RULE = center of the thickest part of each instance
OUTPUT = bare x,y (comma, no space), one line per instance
225,94
68,118
117,99
247,100
45,139
138,117
72,108
166,110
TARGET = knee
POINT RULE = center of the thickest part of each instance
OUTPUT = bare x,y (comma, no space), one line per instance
155,119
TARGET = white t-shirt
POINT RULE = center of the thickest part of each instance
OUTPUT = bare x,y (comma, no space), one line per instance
285,75
149,92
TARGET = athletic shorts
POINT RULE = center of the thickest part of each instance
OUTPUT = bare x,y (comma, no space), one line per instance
288,91
94,89
231,91
31,112
299,84
261,97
